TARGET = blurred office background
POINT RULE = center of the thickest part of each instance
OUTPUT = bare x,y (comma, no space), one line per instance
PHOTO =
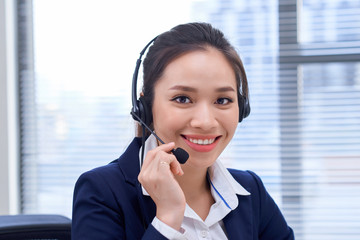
66,98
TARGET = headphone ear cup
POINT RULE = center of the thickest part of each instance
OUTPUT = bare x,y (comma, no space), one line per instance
144,111
247,108
244,107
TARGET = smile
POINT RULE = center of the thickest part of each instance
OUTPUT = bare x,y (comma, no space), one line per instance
201,143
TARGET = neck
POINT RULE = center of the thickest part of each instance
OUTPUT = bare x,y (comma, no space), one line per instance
193,182
197,191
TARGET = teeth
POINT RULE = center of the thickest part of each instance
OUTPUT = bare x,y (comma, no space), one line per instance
202,141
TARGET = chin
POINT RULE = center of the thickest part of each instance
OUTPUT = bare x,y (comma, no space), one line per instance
201,160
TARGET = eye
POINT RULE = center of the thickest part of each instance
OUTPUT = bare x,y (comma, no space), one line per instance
223,101
181,99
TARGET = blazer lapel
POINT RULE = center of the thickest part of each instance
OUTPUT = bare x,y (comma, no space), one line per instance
239,222
149,209
129,164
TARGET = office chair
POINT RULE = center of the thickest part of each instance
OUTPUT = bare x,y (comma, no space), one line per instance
31,227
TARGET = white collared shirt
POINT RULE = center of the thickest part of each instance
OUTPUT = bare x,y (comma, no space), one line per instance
224,189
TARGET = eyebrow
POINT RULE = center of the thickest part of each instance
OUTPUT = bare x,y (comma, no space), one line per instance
191,89
183,88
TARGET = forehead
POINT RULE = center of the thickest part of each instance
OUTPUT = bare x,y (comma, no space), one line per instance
199,68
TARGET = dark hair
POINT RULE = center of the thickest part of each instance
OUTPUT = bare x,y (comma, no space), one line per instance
182,39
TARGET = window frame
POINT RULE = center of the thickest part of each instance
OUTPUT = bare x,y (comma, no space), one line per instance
9,121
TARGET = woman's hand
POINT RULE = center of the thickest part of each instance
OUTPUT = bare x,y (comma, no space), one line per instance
157,177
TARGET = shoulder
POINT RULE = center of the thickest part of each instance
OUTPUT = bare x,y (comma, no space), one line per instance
102,175
248,179
114,176
253,184
126,167
98,186
266,213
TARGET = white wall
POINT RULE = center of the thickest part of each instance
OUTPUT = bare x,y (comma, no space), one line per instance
9,157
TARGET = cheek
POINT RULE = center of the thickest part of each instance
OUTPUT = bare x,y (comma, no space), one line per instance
232,127
164,121
165,118
231,121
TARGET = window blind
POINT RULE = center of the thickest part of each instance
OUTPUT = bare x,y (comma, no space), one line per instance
302,137
319,79
75,80
69,123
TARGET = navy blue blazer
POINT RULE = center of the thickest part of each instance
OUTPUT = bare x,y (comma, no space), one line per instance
109,204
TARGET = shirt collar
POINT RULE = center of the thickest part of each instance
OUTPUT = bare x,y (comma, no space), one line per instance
150,144
224,185
221,179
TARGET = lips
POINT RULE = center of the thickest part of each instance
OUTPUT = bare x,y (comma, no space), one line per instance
201,143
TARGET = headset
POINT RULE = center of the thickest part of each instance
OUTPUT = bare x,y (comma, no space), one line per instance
142,113
140,109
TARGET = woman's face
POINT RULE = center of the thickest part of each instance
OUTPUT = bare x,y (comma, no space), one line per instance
196,106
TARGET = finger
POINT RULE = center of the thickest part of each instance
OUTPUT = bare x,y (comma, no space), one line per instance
175,167
168,164
166,147
158,171
163,160
166,158
161,163
151,155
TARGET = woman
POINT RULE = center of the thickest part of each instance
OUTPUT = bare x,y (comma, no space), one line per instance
195,91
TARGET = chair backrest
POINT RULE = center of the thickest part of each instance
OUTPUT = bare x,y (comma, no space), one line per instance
21,227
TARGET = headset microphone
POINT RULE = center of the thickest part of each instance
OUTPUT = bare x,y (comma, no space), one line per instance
180,154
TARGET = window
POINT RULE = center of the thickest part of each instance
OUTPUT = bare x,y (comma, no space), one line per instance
303,64
319,90
75,76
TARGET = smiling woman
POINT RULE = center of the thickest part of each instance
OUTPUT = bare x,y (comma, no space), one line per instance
195,90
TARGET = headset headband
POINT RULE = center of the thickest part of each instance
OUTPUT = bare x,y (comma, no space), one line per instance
135,77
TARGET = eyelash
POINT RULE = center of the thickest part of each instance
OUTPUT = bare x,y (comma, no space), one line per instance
229,100
179,98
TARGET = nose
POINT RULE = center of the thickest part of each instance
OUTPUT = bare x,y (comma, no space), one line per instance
204,116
